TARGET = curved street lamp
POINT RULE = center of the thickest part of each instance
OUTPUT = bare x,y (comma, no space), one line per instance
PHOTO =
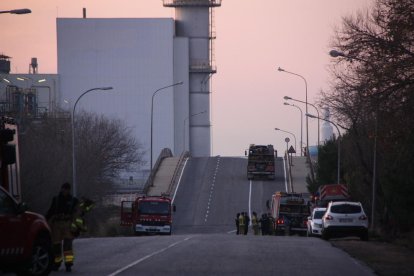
339,142
73,135
152,113
317,111
294,137
17,11
301,124
306,103
184,128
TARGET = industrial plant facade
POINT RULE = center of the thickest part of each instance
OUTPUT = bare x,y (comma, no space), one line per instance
136,57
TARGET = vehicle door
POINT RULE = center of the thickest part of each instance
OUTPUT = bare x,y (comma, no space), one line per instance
127,213
12,227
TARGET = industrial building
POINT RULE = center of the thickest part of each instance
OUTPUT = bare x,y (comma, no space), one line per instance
137,57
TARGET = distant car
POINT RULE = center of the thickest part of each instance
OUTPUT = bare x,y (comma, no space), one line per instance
315,222
25,239
345,218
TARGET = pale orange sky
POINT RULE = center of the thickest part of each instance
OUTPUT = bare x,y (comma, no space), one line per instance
253,39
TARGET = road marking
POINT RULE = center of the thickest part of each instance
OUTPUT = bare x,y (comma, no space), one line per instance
232,231
284,171
147,257
212,188
179,180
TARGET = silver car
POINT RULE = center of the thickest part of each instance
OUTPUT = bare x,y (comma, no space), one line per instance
315,222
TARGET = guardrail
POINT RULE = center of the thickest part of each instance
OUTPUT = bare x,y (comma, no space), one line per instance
166,152
177,172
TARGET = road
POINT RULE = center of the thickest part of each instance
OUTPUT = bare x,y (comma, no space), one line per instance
211,192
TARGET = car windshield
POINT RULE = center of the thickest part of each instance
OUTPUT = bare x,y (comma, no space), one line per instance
154,208
346,209
318,214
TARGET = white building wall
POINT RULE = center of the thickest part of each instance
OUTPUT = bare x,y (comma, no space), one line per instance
181,95
135,57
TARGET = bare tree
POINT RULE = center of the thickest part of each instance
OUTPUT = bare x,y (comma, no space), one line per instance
105,148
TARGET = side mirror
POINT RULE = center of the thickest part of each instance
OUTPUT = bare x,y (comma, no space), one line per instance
174,208
309,218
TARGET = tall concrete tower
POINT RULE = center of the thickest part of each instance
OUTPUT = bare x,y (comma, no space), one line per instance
326,128
194,20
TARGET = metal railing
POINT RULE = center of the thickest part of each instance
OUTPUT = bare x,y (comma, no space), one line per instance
177,172
166,152
195,3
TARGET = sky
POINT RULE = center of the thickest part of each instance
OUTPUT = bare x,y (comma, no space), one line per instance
254,38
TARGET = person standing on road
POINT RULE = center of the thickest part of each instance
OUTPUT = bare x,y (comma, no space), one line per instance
237,223
241,224
60,216
246,223
255,224
265,225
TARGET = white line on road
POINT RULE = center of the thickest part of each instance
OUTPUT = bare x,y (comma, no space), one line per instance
232,231
147,257
179,180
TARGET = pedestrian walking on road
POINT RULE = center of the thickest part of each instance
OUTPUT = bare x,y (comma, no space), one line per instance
255,224
247,222
237,223
60,217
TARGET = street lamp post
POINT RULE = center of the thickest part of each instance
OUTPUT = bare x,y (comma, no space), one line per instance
301,125
184,127
339,142
335,53
152,113
73,136
294,137
18,11
317,111
306,103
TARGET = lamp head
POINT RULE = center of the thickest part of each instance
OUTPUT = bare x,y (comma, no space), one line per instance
287,98
179,83
286,103
277,128
310,115
280,69
106,88
335,53
20,11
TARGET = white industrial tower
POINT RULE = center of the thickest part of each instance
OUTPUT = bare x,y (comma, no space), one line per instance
326,128
194,20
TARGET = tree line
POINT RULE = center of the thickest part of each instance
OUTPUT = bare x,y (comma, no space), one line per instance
372,93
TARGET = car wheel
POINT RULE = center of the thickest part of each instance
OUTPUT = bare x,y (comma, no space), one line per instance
41,259
325,235
364,236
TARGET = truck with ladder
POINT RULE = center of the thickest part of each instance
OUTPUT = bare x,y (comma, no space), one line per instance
260,162
148,215
290,212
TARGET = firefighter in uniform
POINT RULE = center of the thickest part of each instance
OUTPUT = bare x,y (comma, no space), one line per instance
255,224
60,217
241,224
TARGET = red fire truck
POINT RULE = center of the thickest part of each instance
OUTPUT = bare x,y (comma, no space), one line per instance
290,212
25,238
148,215
331,192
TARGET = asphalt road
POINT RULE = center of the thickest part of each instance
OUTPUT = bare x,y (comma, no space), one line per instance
210,193
212,254
213,190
